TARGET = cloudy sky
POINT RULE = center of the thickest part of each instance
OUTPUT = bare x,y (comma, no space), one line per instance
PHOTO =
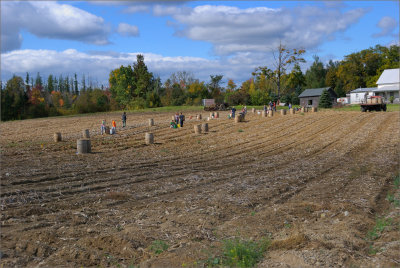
205,38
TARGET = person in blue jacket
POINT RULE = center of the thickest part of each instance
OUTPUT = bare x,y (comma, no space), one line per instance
233,111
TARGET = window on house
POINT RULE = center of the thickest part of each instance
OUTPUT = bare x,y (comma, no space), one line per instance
391,94
356,95
309,102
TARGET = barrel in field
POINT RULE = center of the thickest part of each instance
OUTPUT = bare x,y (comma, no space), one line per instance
198,117
107,130
283,112
291,111
271,113
197,129
314,109
253,110
151,122
86,134
149,138
263,113
83,146
204,127
57,137
216,114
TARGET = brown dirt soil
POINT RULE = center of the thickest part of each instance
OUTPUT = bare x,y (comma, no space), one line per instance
314,183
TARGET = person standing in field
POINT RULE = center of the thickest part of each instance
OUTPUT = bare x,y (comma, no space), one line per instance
177,118
233,111
181,119
124,120
114,127
103,126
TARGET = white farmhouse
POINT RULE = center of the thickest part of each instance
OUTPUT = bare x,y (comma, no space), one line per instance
389,85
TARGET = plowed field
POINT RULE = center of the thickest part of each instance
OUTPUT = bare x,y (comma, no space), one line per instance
313,183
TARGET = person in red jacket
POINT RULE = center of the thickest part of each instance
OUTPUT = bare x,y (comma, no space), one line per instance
114,127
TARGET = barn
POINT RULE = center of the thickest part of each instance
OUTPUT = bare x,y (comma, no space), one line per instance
310,97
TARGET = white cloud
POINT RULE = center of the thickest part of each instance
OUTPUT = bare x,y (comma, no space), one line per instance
387,26
127,29
260,29
50,20
99,64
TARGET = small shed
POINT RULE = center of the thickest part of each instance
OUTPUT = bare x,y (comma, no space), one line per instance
310,97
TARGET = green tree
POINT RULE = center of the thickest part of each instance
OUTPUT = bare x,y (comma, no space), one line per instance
215,88
50,83
14,99
315,75
325,100
76,85
129,86
283,58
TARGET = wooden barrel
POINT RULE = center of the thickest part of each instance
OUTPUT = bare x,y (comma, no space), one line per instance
369,101
374,100
198,117
204,127
292,111
85,134
197,129
107,130
216,114
151,122
83,146
263,113
149,138
379,100
270,113
57,137
283,112
253,110
238,118
314,109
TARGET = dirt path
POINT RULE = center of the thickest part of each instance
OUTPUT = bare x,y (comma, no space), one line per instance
311,182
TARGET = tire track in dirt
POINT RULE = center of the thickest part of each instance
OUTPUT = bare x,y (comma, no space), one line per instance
331,165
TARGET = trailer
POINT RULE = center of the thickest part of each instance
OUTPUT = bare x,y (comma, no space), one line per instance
373,103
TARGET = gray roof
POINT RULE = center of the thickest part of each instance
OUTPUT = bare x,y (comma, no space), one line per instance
389,76
364,89
312,92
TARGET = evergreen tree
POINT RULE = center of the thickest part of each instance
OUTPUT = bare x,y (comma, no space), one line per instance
38,81
50,83
27,86
76,85
83,88
315,76
325,100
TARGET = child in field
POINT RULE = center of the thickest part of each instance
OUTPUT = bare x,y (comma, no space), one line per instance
124,120
181,119
103,127
114,127
173,124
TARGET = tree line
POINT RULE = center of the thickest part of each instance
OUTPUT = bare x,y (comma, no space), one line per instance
135,87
